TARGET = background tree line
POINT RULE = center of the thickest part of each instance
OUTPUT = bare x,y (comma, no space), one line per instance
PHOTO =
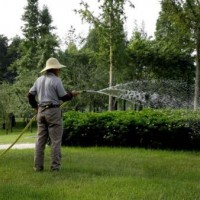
105,57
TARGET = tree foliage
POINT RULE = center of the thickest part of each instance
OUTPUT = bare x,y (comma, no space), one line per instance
109,27
3,57
183,19
39,44
105,57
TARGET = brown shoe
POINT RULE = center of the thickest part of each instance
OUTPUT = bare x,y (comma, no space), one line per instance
38,169
55,169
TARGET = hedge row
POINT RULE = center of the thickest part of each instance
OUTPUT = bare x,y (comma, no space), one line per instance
163,129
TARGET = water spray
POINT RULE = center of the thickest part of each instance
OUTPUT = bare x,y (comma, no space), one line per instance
153,93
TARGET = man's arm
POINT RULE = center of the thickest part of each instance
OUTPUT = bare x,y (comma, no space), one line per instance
69,96
32,101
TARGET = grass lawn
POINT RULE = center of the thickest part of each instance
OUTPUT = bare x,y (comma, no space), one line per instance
102,174
27,137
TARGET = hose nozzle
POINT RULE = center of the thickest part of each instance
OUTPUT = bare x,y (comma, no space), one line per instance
87,91
82,91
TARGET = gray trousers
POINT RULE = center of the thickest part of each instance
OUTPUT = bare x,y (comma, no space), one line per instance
49,123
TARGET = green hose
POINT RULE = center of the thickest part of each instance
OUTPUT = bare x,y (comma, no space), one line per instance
20,135
22,132
28,125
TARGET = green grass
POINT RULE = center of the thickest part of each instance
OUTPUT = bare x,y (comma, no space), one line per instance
27,137
102,174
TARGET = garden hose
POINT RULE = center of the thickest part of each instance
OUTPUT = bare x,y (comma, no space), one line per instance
28,125
20,135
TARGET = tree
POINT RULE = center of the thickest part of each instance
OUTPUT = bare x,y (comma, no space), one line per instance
81,72
111,34
14,53
37,46
96,60
3,57
184,16
140,51
40,43
155,59
8,54
175,39
47,41
8,105
30,30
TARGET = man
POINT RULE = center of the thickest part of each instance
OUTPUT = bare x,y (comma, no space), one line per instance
49,91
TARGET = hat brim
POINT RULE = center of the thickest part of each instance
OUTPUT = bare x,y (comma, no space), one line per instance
52,67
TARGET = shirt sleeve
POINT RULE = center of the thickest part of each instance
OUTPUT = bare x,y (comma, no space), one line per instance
62,93
33,90
60,89
32,96
67,97
32,101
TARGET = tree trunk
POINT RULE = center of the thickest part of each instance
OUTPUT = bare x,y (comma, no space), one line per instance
197,77
111,99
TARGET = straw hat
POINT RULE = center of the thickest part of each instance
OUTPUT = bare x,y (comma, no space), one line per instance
52,63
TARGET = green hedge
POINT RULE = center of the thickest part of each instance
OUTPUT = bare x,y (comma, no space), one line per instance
171,129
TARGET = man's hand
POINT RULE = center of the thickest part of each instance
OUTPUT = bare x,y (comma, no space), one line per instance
75,93
36,110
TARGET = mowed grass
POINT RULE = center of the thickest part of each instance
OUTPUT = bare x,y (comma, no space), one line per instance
100,173
27,137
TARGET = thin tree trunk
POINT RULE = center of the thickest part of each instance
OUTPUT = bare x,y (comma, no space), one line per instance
197,78
111,99
111,79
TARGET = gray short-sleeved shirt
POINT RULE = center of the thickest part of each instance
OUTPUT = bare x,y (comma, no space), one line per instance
48,88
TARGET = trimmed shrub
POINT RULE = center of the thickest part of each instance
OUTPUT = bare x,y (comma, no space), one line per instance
163,129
